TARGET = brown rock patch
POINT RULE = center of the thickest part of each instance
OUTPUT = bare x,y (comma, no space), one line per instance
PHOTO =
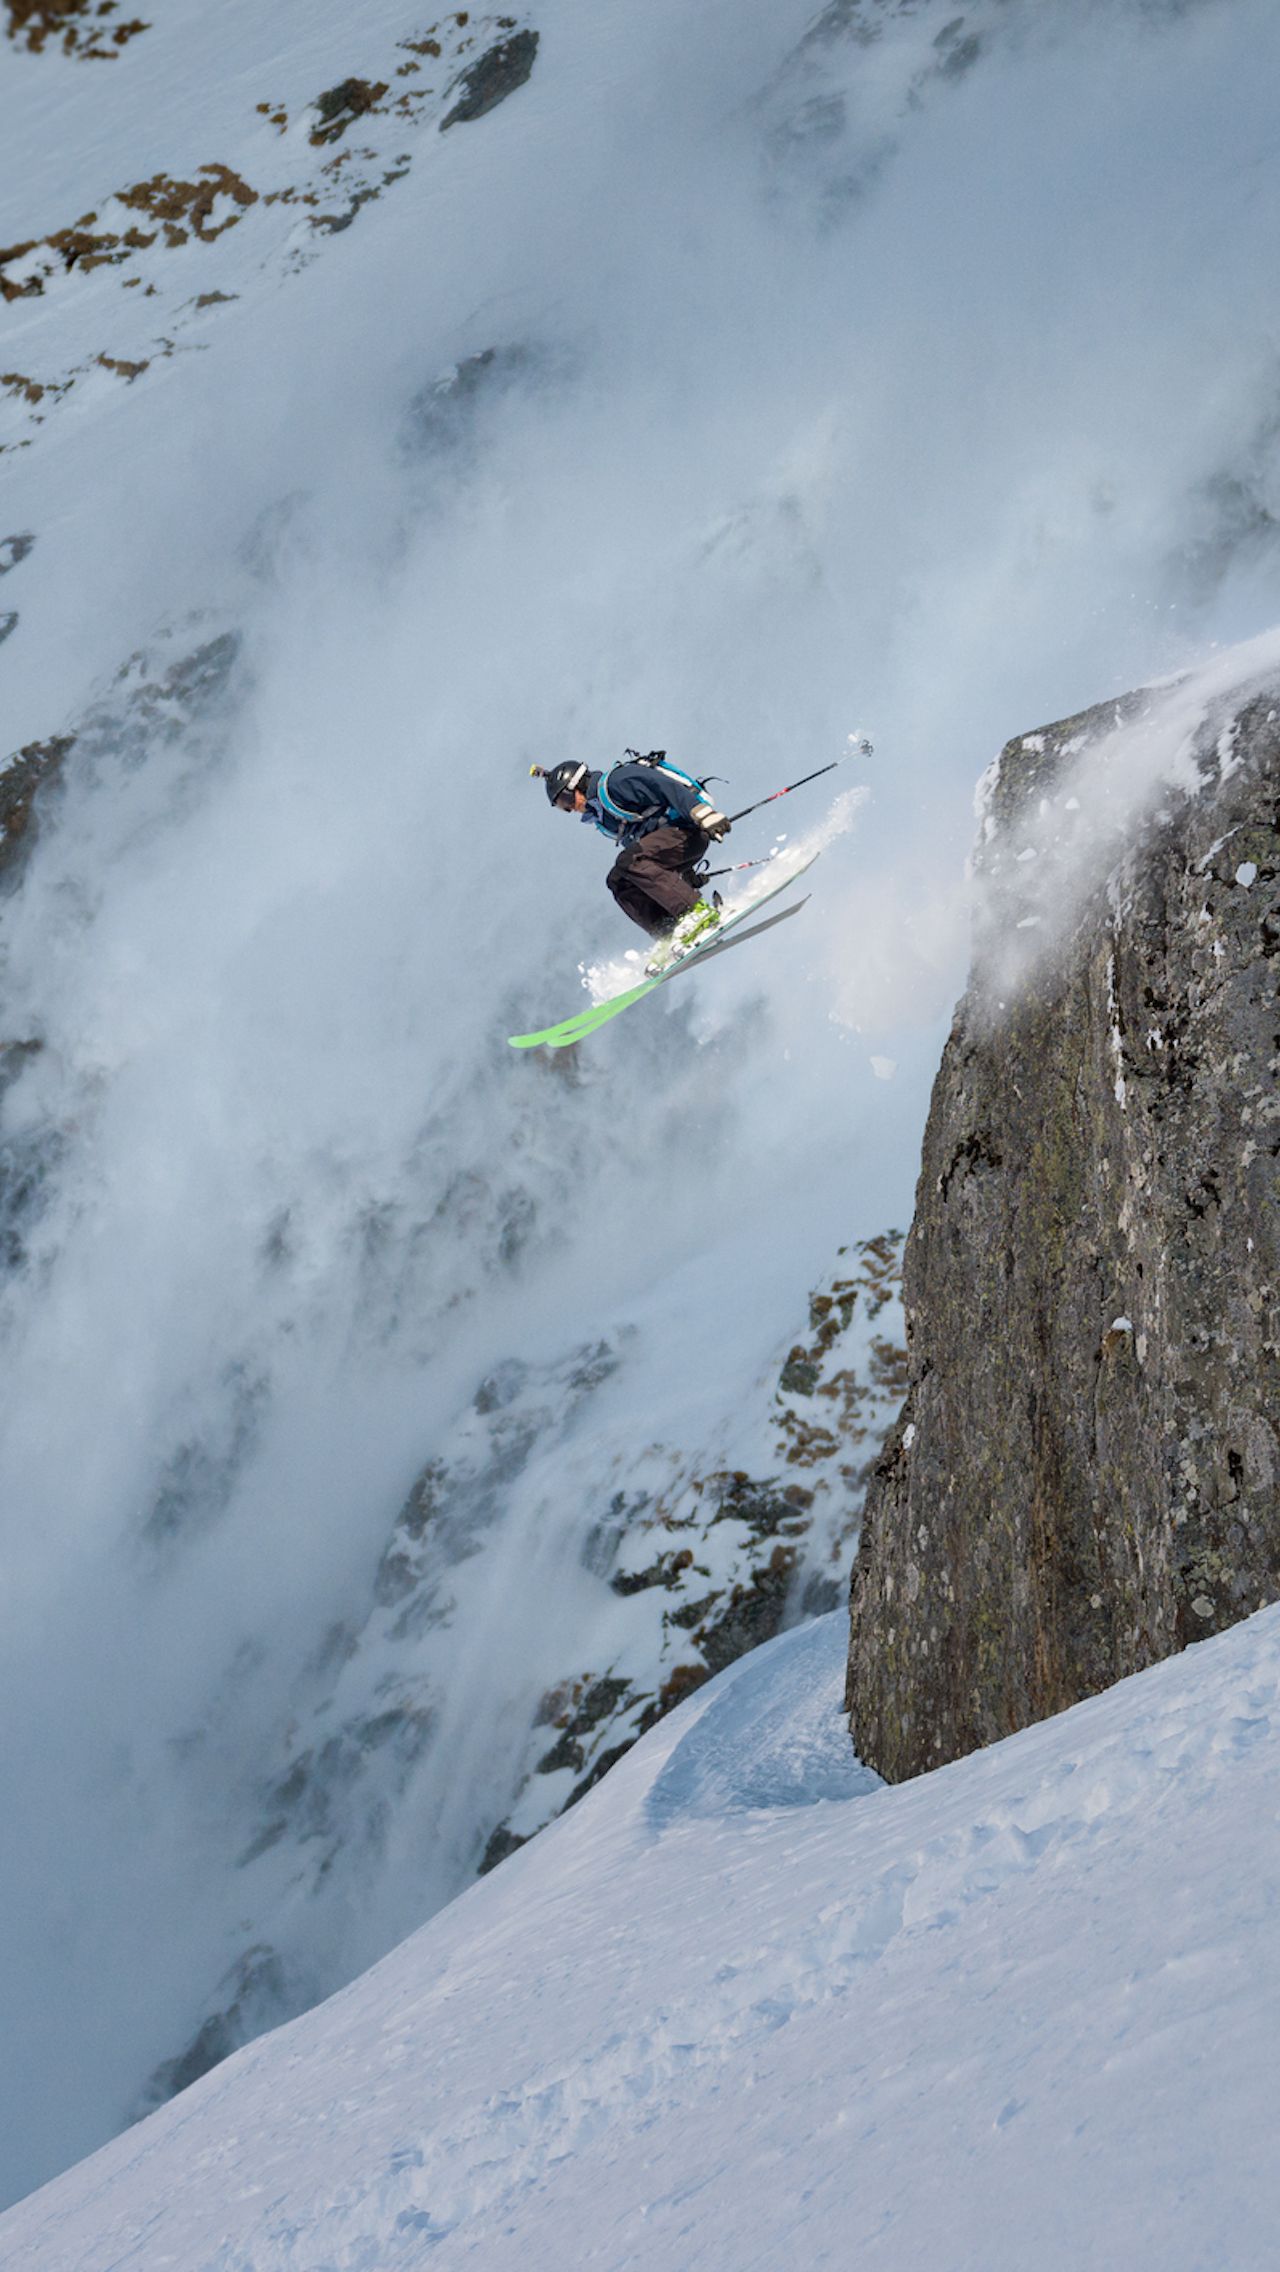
80,27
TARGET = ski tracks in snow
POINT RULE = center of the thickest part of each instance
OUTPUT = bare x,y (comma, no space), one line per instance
868,1990
742,1894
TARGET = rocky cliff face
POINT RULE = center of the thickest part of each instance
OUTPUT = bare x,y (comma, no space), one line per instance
1086,1473
686,1559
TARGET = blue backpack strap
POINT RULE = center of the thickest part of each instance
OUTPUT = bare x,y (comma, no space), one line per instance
629,820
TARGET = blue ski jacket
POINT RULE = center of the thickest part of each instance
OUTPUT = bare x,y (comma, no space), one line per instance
627,801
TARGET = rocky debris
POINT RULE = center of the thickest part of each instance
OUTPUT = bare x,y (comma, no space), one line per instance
866,22
146,706
497,74
308,1802
340,106
27,1161
456,1500
717,1561
154,705
333,224
180,210
14,549
842,1415
30,391
23,774
1086,1473
8,624
83,28
825,128
121,244
442,416
252,1996
180,206
196,1480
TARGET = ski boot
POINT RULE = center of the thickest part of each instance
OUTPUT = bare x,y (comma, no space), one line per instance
693,927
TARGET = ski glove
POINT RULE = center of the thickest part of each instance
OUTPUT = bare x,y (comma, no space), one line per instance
713,824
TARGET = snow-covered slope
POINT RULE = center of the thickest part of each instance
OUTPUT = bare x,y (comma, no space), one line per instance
744,2007
744,377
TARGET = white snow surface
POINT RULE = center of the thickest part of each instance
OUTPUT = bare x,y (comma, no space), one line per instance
748,2007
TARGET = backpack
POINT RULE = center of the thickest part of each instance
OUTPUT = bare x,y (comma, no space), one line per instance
656,759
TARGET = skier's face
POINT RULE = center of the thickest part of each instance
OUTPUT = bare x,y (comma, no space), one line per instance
573,801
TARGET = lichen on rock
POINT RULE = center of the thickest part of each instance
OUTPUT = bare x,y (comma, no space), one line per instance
495,75
1086,1472
88,29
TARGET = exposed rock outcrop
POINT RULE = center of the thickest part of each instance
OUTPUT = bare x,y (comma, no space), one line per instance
174,698
495,75
153,701
14,549
1086,1473
76,27
255,1995
115,279
685,1563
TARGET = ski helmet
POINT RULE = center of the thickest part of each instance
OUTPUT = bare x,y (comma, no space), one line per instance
563,779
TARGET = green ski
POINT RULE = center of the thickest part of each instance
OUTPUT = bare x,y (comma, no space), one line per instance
727,934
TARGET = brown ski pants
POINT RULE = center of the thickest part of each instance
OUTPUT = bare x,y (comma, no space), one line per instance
652,881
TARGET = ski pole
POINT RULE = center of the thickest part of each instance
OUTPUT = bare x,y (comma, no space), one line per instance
862,749
734,867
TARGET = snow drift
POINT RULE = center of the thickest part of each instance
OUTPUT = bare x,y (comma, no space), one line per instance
745,2006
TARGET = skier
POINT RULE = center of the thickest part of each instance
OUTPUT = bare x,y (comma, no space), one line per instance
662,821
